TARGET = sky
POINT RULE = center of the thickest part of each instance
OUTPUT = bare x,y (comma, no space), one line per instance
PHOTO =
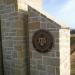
63,10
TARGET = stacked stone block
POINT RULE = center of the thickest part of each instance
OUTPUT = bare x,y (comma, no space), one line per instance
13,38
43,63
18,25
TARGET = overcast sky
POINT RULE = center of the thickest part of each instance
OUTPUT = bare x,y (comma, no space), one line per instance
62,9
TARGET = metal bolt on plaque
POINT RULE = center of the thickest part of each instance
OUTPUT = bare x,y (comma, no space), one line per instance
42,40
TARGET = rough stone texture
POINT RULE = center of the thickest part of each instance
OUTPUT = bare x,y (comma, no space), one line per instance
19,55
38,4
49,63
13,27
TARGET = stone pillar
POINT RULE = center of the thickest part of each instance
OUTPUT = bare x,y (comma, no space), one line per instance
13,32
57,60
16,17
64,47
38,3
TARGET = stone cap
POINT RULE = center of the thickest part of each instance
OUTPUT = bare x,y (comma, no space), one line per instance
61,24
37,3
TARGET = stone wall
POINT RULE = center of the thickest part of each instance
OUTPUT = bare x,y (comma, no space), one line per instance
19,56
43,63
13,33
5,9
64,46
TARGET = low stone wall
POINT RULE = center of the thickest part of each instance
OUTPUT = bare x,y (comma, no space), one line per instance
19,56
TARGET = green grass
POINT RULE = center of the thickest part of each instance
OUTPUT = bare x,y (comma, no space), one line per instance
72,40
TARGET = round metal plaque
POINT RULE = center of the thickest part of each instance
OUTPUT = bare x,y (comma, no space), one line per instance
42,40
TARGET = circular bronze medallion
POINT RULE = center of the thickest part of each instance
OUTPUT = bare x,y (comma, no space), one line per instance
42,40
